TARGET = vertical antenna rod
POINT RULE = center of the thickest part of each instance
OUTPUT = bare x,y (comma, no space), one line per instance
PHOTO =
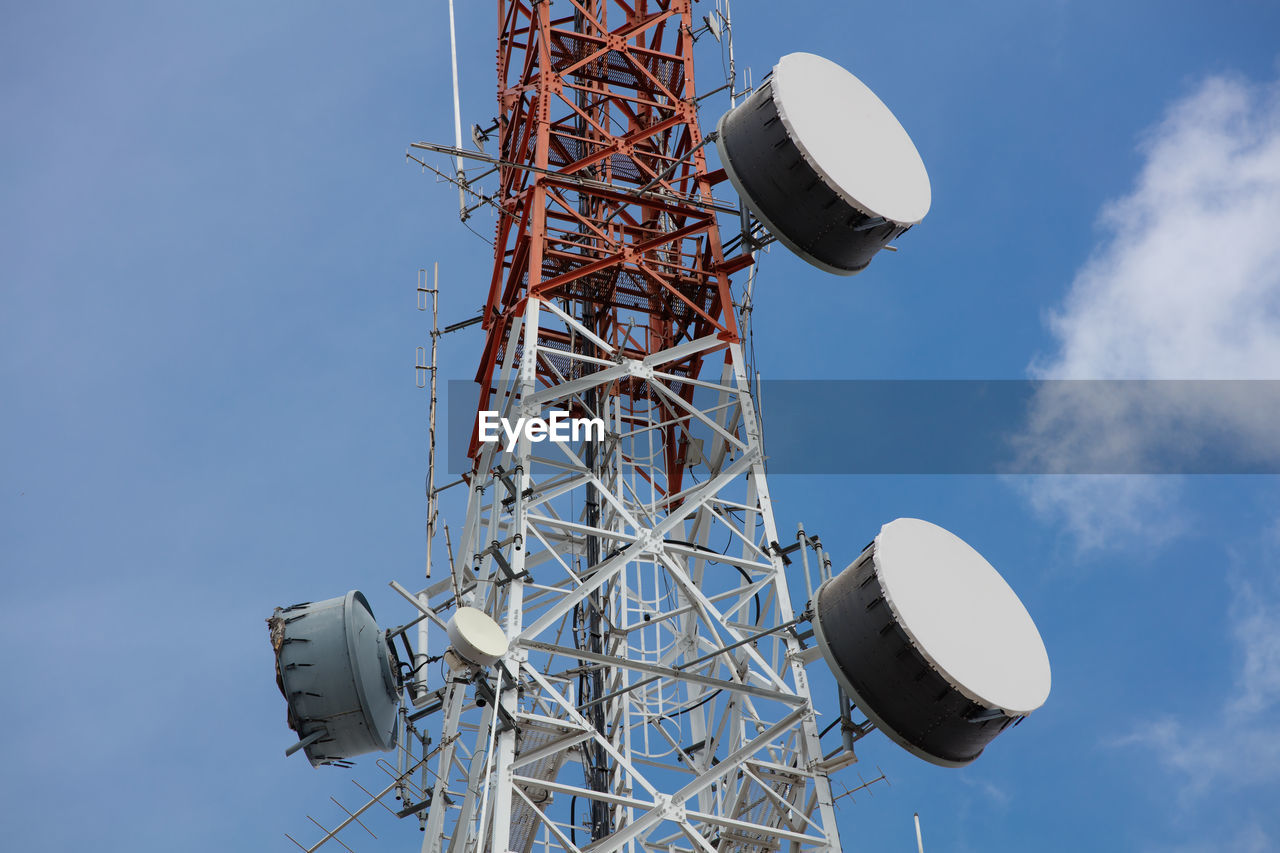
457,119
420,658
432,498
733,69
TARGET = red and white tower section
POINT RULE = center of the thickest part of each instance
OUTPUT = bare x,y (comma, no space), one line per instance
626,668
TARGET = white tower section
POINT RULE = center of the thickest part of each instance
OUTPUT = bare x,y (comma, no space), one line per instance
653,696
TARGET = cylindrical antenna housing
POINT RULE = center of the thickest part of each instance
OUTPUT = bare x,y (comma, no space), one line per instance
931,643
824,164
334,667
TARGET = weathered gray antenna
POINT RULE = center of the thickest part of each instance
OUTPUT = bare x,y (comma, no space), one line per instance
335,670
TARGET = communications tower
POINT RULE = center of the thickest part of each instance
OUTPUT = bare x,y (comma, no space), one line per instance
654,690
626,668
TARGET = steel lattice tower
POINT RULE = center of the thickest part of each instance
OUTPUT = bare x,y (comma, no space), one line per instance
654,695
626,669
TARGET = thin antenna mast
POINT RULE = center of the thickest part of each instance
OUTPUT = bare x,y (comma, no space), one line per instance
733,71
432,499
457,123
420,659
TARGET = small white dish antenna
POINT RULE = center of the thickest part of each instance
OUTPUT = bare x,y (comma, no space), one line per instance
713,25
476,638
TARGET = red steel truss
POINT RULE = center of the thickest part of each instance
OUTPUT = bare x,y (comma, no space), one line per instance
605,198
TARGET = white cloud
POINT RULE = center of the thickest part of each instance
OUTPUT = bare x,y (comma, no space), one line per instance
1106,511
1211,755
1240,745
1185,284
1257,631
1250,838
992,794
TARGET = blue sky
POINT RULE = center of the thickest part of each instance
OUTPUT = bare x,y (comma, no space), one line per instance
210,240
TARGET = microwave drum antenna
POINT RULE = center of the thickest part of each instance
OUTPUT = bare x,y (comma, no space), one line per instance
931,643
824,164
334,667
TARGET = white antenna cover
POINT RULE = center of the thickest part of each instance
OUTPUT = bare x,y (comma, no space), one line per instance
713,24
930,643
823,164
851,138
476,637
962,616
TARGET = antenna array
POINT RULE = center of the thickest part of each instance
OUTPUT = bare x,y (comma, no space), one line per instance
626,669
